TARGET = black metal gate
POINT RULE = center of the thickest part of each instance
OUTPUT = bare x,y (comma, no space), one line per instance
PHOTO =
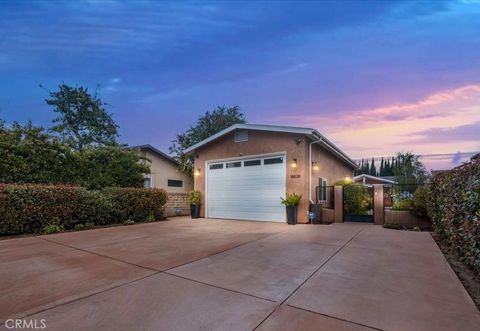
358,203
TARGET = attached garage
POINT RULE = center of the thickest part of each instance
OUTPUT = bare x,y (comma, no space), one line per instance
246,188
242,171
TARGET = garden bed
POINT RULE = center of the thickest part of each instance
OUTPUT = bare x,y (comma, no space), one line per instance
469,278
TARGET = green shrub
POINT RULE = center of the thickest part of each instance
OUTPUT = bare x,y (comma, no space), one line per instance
52,228
453,204
357,199
194,197
86,226
291,199
150,218
419,202
394,226
30,208
404,204
136,204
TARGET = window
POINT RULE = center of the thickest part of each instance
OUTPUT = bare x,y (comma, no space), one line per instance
241,135
273,160
234,164
322,189
252,163
147,182
216,166
175,183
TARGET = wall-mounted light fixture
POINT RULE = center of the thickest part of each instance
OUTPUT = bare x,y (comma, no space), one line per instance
315,166
347,179
197,172
294,163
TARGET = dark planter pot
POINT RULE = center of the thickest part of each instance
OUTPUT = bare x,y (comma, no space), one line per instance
195,211
292,215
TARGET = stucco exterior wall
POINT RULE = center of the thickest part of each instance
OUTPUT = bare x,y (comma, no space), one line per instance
329,167
161,170
262,142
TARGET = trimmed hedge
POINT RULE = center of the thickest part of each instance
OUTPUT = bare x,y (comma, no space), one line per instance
31,208
454,207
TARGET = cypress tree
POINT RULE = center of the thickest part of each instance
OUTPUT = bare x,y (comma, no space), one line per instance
373,169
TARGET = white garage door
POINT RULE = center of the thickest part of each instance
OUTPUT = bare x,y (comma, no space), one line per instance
247,189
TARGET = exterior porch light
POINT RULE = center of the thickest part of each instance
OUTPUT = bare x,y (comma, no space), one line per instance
197,172
315,166
347,179
294,163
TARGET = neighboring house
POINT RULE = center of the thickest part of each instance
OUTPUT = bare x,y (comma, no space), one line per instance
369,179
243,170
164,171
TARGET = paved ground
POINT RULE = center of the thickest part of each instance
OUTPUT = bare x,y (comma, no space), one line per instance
230,275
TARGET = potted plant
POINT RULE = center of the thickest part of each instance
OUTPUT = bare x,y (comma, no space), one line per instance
291,203
194,199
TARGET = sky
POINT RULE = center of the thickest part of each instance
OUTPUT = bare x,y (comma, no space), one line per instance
376,77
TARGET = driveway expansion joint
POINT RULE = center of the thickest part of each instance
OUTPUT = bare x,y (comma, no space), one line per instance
225,250
334,317
219,287
98,254
86,296
313,273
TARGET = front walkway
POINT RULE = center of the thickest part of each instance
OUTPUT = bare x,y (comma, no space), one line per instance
231,275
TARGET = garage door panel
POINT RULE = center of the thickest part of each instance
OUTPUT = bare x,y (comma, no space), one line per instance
250,193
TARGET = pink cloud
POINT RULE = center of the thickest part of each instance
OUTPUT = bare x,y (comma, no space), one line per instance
417,126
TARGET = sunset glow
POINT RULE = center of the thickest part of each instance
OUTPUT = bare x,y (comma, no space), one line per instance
377,77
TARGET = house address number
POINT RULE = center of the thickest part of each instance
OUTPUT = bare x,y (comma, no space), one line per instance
295,176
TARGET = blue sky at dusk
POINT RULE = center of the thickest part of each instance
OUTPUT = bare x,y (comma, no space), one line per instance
376,77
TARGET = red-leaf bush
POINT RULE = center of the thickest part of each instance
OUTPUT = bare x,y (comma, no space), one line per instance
454,207
31,207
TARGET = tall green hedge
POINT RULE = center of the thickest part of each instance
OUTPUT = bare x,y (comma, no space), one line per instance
29,208
454,207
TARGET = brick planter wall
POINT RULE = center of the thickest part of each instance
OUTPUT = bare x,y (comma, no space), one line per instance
177,200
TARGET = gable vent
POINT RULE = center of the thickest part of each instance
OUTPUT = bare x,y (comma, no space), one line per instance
241,135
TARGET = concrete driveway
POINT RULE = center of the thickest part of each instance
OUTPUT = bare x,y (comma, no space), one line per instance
230,275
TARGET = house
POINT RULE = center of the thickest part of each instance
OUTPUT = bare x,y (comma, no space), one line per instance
164,171
243,170
369,179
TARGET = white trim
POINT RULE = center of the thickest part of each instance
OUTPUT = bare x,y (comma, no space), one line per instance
151,181
374,178
243,157
326,184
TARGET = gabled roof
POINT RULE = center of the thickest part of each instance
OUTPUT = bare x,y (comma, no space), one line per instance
154,150
309,132
380,179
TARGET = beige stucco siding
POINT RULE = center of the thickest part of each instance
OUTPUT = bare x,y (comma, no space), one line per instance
263,142
161,170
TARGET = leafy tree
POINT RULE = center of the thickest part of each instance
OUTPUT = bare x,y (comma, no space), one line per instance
31,155
408,170
207,125
83,120
110,166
